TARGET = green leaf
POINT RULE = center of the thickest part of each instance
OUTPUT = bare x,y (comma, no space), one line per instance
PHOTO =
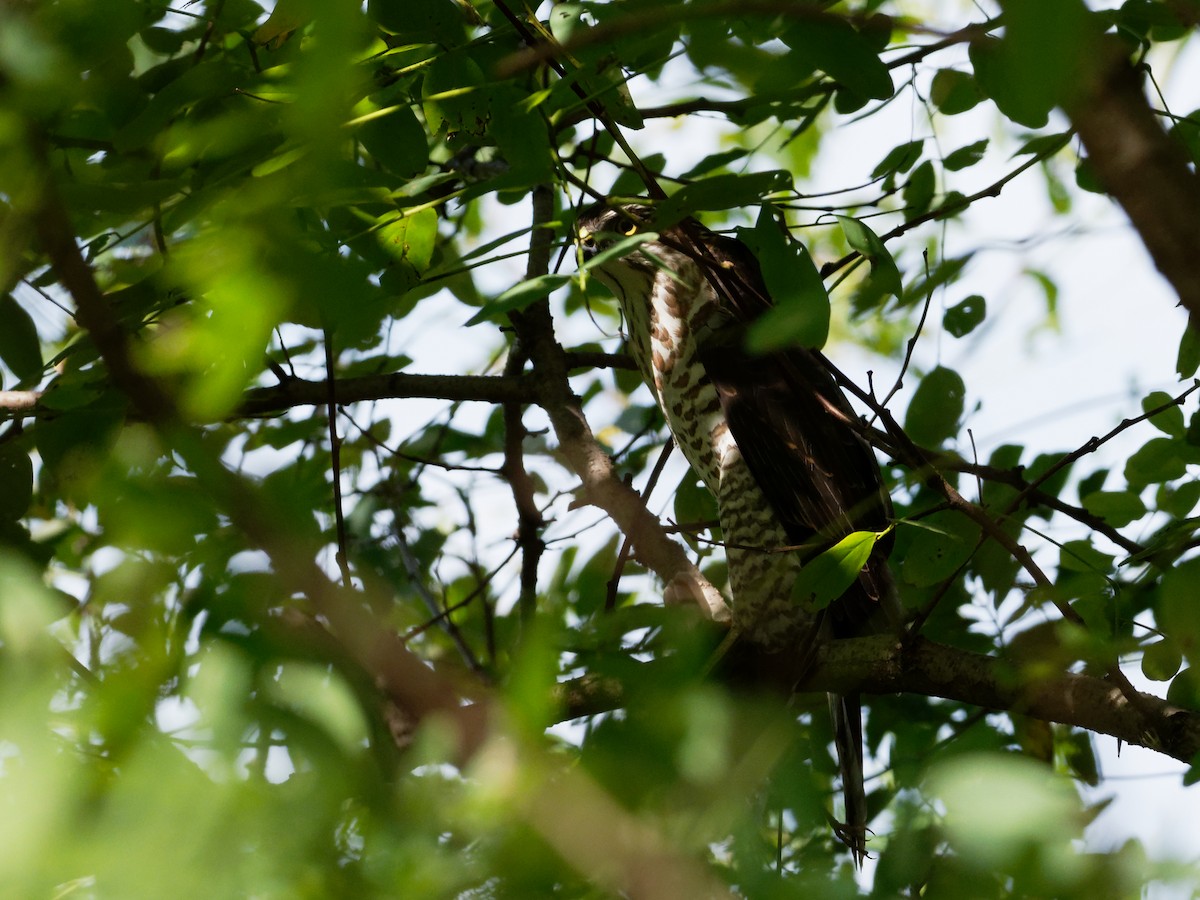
898,159
521,135
396,139
16,481
454,96
936,407
20,348
1117,508
519,296
1002,808
1086,178
1188,360
1017,72
436,21
1159,459
1044,144
620,248
1079,753
800,316
844,54
722,192
964,317
1170,420
1187,132
1161,660
827,576
1178,501
918,192
965,157
279,162
411,238
1185,691
1175,612
1081,556
693,502
954,92
884,272
939,545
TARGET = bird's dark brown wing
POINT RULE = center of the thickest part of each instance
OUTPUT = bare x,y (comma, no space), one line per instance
794,428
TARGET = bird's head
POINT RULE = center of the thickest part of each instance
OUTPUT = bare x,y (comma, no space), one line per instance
603,225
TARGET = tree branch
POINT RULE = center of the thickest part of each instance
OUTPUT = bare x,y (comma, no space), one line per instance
299,392
882,665
1146,171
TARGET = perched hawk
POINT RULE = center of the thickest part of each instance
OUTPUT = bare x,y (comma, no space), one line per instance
769,435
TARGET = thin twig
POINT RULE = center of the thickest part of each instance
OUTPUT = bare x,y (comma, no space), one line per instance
610,598
912,341
335,460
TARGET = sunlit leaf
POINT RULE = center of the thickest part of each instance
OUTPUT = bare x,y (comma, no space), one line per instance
826,576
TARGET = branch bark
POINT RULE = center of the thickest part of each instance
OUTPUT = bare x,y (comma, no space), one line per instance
298,392
882,665
1146,171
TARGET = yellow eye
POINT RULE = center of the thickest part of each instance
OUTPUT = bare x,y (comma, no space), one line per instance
632,231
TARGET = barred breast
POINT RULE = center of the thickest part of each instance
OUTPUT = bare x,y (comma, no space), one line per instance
661,338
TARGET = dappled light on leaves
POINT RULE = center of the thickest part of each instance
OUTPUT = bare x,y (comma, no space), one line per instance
340,553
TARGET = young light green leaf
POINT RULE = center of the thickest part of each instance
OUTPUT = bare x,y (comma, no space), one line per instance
826,576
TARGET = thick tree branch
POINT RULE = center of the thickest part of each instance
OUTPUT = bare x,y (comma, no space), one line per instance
1146,171
293,392
882,665
298,392
529,517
